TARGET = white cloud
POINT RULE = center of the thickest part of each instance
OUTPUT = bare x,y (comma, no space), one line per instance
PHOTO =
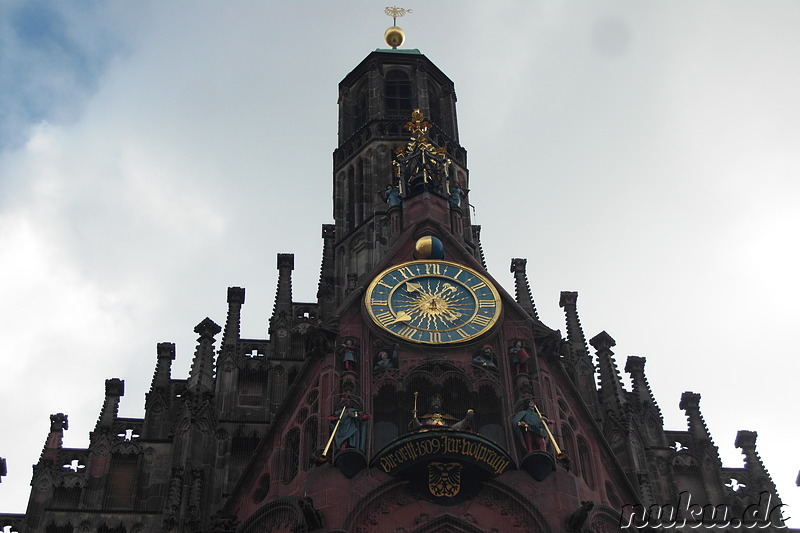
644,156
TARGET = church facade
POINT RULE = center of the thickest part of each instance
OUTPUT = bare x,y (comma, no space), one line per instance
414,395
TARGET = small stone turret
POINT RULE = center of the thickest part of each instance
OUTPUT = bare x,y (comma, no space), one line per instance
233,323
201,376
55,439
579,361
115,389
165,354
612,394
690,402
523,289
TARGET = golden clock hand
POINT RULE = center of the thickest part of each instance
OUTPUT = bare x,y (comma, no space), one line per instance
413,287
402,316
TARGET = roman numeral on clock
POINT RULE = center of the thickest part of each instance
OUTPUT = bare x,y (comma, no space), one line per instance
481,320
385,318
433,269
408,332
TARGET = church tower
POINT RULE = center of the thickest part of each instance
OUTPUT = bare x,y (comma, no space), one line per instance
415,395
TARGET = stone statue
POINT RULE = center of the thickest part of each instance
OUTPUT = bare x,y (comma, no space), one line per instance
348,351
311,515
392,195
351,432
384,361
519,357
485,358
456,194
436,418
578,518
528,426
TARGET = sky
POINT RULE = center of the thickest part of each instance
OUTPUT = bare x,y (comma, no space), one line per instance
643,153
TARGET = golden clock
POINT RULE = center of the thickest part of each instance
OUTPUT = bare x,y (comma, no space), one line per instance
433,302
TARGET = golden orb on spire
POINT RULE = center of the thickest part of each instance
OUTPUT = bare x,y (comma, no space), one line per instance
395,36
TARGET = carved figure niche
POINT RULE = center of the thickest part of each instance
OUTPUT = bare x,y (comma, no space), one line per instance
390,419
489,415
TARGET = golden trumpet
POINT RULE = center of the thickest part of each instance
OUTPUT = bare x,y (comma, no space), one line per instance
324,456
560,455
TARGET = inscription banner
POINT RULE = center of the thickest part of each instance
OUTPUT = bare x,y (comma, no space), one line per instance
424,447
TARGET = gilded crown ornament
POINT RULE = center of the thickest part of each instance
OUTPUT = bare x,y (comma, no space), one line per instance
421,165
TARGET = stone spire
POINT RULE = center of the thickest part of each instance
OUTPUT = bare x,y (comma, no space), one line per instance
690,402
759,478
165,353
523,289
580,364
233,323
641,388
575,336
612,394
283,294
55,439
327,272
201,376
115,389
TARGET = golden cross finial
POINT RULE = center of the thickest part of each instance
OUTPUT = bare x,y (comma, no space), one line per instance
395,12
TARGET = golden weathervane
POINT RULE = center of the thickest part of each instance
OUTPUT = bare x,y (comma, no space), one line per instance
395,36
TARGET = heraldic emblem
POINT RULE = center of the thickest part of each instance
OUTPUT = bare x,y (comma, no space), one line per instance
444,479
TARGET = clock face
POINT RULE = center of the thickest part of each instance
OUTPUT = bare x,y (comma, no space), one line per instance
433,302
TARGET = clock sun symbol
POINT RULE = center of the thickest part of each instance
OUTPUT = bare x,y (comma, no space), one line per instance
444,303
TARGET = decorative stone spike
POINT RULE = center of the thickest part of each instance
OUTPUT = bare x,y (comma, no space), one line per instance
758,474
283,294
575,336
201,376
612,394
233,322
55,439
641,388
523,288
165,353
115,388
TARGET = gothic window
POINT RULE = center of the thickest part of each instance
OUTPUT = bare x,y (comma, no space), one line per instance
611,494
489,415
435,108
105,529
361,109
309,442
121,481
358,192
585,462
568,445
66,497
351,199
242,449
689,478
291,457
341,196
52,528
397,90
298,345
252,387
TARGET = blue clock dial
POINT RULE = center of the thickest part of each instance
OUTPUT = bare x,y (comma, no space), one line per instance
433,302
